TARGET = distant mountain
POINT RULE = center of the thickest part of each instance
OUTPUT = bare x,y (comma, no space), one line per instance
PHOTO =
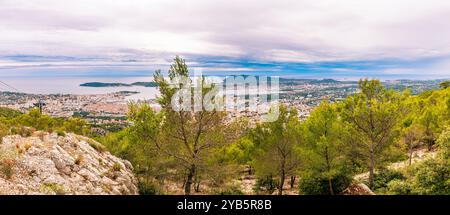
101,84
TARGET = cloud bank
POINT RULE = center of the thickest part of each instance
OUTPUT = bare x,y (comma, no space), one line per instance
409,37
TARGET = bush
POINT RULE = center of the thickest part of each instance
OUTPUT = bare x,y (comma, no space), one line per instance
22,131
6,167
399,187
432,177
61,133
117,167
232,190
97,146
316,185
9,113
384,176
3,131
148,188
53,188
266,184
8,159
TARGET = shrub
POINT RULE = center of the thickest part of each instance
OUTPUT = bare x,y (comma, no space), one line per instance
399,187
267,184
148,188
7,167
53,188
232,190
3,131
117,167
432,177
384,176
61,133
8,161
97,146
22,131
316,185
9,113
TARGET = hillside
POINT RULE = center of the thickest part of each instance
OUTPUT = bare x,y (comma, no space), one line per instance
9,113
46,163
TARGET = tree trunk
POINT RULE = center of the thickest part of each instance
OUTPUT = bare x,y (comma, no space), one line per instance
197,186
196,183
292,181
371,169
410,155
190,176
330,184
281,184
250,170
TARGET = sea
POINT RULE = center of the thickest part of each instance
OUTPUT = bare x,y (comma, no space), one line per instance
67,84
71,85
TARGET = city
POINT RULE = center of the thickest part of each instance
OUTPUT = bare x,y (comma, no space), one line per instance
112,108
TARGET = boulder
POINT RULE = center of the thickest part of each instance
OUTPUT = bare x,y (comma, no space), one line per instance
358,189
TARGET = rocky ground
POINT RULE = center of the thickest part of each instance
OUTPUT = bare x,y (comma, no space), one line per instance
62,164
419,155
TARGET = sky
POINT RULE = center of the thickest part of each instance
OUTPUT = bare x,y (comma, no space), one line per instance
308,38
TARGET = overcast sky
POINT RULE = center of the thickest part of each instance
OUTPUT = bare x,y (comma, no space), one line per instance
408,38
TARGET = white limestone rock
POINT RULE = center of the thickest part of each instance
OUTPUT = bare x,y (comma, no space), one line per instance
51,164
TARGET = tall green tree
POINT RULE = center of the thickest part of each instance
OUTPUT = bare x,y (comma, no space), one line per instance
276,142
411,139
322,134
190,137
374,113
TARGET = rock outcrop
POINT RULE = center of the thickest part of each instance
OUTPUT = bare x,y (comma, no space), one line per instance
62,164
358,189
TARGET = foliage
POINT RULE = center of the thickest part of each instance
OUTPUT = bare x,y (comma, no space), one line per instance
8,160
265,184
55,188
187,148
432,177
374,114
6,167
384,176
9,113
276,143
76,125
146,188
399,187
232,190
444,84
97,146
316,184
188,137
61,133
324,147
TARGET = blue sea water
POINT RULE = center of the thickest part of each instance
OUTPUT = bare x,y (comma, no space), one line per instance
64,82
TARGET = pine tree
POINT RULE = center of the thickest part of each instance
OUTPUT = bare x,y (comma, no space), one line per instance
374,113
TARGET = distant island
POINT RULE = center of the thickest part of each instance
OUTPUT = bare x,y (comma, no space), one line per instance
101,84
